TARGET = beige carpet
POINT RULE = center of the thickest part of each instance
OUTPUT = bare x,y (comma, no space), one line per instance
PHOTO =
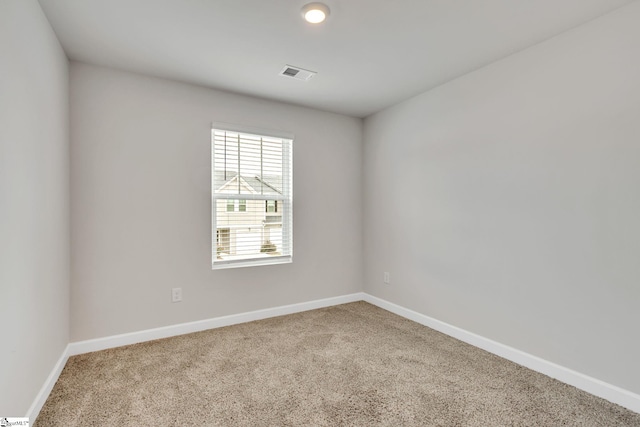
352,365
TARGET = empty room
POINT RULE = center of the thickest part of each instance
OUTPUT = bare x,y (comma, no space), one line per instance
295,213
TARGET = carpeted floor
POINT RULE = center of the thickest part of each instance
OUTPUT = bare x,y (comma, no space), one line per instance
351,365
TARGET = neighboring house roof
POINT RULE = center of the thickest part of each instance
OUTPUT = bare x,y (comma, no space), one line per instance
267,185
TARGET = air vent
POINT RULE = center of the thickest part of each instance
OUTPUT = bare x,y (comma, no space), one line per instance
291,72
297,73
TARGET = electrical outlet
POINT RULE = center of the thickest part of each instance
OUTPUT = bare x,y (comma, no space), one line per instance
386,278
176,294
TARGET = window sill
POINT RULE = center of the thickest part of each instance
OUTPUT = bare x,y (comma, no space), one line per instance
253,262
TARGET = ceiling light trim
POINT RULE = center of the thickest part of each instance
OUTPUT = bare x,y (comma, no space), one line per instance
315,12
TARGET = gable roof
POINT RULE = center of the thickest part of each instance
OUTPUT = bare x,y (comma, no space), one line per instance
267,185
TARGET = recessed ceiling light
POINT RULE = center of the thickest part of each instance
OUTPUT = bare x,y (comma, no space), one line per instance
315,13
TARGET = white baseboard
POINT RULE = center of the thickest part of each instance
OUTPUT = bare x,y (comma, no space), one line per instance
169,331
43,394
202,325
591,385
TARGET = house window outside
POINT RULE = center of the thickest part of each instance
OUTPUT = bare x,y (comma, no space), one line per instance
251,197
222,242
236,205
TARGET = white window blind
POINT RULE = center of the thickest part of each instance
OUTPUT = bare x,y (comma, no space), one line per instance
251,175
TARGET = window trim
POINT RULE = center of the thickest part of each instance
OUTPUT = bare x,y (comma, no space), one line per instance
285,199
252,130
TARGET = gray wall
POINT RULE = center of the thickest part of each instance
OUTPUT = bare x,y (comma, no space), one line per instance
506,202
141,215
34,203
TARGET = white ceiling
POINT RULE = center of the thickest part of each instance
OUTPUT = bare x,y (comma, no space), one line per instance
369,54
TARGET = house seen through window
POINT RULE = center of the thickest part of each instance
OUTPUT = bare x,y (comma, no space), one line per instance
252,197
236,205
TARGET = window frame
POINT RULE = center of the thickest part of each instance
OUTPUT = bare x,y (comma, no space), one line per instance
284,202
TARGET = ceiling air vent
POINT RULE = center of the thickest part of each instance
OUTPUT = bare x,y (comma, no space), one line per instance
297,73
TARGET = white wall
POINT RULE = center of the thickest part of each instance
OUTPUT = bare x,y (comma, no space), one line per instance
34,203
141,214
506,202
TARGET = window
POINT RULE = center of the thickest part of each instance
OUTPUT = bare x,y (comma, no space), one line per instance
271,206
222,242
236,205
251,197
